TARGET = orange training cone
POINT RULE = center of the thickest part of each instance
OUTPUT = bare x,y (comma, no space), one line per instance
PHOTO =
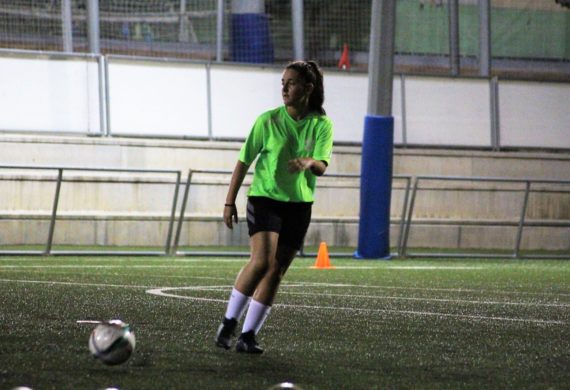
344,62
323,259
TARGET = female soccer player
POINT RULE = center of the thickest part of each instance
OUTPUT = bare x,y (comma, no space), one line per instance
293,144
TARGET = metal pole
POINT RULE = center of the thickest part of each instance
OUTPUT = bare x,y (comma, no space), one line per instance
102,71
495,135
298,30
220,32
381,61
454,64
409,220
167,249
174,248
404,117
183,35
67,26
403,218
209,100
521,220
93,26
54,211
484,38
106,96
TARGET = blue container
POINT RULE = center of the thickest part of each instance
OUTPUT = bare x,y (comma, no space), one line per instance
251,40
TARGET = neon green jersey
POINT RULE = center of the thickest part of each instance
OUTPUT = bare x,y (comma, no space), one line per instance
278,138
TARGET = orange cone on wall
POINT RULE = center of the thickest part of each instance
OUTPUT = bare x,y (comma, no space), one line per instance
344,62
323,258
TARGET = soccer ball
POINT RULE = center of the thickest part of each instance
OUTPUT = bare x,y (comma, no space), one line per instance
112,342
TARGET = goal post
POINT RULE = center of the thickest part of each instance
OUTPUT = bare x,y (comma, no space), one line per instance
378,140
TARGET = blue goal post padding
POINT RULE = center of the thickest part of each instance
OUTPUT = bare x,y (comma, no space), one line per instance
375,188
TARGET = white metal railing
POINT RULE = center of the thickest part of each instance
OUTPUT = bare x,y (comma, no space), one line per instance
405,222
56,200
516,253
182,216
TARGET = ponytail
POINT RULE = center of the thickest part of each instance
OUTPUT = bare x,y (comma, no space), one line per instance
311,73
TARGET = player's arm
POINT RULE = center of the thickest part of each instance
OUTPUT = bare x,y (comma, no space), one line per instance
230,210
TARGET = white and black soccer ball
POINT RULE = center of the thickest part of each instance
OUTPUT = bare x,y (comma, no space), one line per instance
112,342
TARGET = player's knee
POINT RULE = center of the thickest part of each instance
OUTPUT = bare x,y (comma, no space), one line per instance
258,267
276,272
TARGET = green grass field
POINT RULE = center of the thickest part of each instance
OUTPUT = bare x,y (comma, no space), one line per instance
433,324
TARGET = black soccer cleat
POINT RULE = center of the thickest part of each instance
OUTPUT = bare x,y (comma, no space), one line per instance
225,333
246,343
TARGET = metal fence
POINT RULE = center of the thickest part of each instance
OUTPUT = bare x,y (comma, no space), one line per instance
525,192
432,36
185,199
55,213
521,188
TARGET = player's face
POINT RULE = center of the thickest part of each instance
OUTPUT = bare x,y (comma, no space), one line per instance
295,90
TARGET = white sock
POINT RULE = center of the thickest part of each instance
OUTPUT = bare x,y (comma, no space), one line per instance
236,305
256,315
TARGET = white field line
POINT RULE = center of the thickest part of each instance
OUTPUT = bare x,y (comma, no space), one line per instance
103,260
106,266
316,284
160,292
71,283
168,276
460,290
436,267
396,298
192,263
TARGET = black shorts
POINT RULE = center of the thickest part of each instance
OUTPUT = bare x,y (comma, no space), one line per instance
289,219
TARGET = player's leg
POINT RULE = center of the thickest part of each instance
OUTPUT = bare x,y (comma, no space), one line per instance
262,300
263,248
263,225
295,220
278,265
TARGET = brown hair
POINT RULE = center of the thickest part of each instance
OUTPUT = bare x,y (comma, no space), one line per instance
311,73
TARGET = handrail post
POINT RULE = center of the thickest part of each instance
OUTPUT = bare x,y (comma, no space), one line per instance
174,248
54,211
167,249
410,212
516,254
403,217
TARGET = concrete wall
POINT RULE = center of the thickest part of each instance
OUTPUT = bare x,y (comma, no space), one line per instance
111,209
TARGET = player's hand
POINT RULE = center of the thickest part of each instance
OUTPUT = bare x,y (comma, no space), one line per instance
299,164
230,215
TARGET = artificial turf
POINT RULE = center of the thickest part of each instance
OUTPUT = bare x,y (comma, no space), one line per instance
365,324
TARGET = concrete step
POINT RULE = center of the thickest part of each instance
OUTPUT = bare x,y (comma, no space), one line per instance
133,209
336,197
114,152
204,230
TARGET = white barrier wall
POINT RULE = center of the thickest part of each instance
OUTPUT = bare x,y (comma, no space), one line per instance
534,114
221,101
49,94
157,98
239,95
448,111
346,103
